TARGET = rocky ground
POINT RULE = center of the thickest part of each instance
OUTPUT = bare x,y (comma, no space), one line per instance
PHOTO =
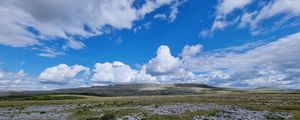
225,112
51,112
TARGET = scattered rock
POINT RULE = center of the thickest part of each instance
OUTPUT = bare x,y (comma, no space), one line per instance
52,112
228,112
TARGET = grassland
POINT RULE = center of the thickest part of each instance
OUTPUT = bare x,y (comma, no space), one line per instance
40,97
93,107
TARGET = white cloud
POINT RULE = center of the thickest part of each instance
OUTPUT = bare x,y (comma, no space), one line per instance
244,63
257,64
171,17
15,34
174,9
116,72
62,74
269,78
164,68
1,75
228,6
163,63
278,7
205,33
74,44
190,51
32,22
241,66
160,16
180,76
16,81
287,8
223,9
20,81
48,52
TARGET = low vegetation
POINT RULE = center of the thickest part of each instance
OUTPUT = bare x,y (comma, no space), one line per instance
86,107
40,97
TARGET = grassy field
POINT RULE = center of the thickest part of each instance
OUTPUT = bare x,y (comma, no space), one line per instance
40,97
93,107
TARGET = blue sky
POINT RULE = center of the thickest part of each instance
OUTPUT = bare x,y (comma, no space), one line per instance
231,43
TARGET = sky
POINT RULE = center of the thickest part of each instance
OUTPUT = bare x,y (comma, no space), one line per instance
53,44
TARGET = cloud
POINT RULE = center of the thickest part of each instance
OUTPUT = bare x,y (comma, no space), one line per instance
279,12
228,6
224,8
268,78
1,75
20,81
271,63
163,63
116,72
190,51
15,81
164,68
171,17
36,23
245,64
250,65
279,7
48,52
160,16
63,74
174,9
286,9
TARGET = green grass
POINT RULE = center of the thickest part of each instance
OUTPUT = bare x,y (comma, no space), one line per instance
40,97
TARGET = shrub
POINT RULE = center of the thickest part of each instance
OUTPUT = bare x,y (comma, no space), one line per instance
108,116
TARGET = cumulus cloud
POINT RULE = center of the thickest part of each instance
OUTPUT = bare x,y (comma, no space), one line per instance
116,72
32,22
190,51
164,68
163,63
62,74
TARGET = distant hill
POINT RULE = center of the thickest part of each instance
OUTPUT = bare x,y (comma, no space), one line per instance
128,90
